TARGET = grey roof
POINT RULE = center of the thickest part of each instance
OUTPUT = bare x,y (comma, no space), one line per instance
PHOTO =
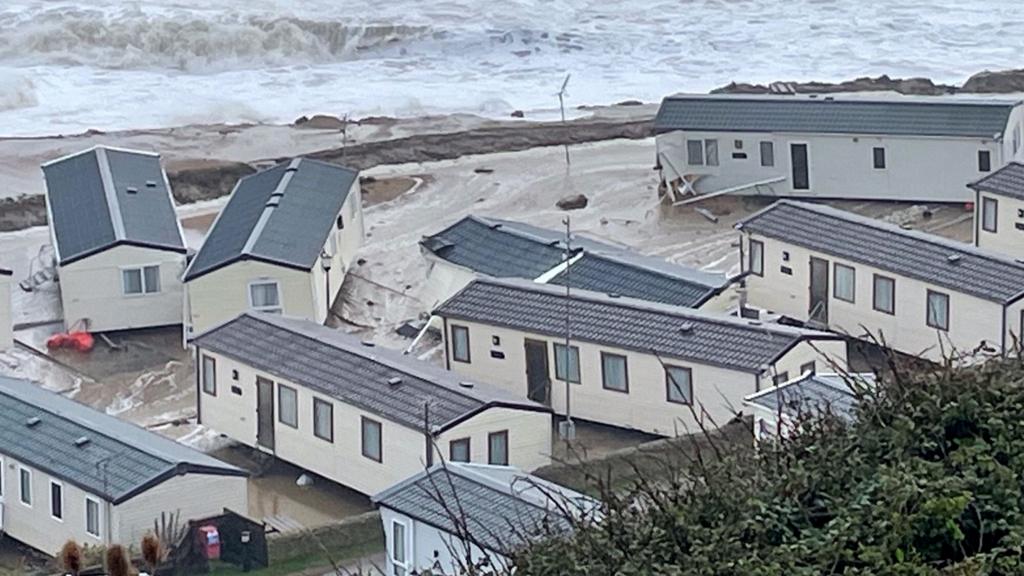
340,366
104,197
835,115
1007,181
502,508
282,215
939,261
626,323
812,392
119,461
509,249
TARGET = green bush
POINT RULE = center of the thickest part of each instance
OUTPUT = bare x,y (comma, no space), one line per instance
926,481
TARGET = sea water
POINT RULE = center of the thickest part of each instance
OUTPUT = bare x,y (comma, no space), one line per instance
71,65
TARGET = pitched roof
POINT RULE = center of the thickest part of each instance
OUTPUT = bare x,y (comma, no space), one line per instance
626,323
953,265
501,507
1007,181
116,461
103,197
818,392
509,249
338,365
907,116
282,215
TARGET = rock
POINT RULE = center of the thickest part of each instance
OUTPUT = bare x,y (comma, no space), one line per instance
630,103
1000,82
518,114
574,202
300,120
361,261
484,170
883,83
322,122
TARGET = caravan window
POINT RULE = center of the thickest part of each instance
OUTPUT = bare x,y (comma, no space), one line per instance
694,152
265,297
937,315
767,153
989,214
885,294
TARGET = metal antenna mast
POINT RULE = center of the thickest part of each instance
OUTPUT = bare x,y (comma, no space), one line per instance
568,429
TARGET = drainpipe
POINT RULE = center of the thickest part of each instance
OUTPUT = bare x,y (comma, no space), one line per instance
199,386
444,340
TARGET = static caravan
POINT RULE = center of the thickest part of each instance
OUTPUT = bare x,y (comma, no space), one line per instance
920,294
282,244
780,410
357,414
439,518
6,316
630,363
119,246
999,211
69,472
899,148
477,246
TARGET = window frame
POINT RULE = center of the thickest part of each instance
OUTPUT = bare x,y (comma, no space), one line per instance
280,405
874,294
203,362
278,309
984,160
403,564
24,472
468,358
144,287
573,351
928,309
460,441
770,146
625,372
835,283
780,378
490,448
669,384
690,152
330,419
709,145
60,487
759,272
99,518
878,158
987,201
808,367
3,470
363,423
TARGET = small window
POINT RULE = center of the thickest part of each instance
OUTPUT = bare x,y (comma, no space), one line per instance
209,375
92,517
145,280
131,280
287,406
614,372
25,486
372,442
574,363
756,261
679,384
878,157
323,420
497,448
56,500
846,281
780,378
937,315
460,343
398,556
695,152
265,297
711,152
458,450
885,294
989,214
984,161
807,368
767,153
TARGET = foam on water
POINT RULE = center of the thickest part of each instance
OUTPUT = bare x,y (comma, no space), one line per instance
69,65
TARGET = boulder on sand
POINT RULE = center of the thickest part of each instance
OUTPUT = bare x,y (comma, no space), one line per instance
1000,82
321,122
574,202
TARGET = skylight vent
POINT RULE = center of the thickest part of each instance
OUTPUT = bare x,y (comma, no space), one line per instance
150,183
954,258
394,381
131,190
81,441
368,344
33,421
686,327
466,384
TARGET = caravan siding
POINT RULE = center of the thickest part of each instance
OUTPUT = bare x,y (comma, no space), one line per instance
444,280
784,288
426,546
529,437
223,294
718,391
343,244
6,317
842,166
92,290
1008,235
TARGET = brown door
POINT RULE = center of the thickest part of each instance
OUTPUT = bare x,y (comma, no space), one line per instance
265,413
818,310
538,382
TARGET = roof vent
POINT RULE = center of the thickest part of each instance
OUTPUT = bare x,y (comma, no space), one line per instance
954,258
613,294
466,384
131,190
292,169
686,327
830,99
81,441
33,421
368,344
754,322
394,381
150,183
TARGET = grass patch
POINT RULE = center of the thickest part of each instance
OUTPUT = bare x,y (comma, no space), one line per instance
311,564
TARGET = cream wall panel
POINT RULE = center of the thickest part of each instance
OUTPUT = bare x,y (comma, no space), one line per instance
6,317
223,294
1007,239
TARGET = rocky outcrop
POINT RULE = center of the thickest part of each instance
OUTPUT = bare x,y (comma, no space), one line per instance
321,122
573,202
915,86
1000,82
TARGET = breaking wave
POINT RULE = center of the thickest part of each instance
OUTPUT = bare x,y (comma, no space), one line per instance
186,40
16,91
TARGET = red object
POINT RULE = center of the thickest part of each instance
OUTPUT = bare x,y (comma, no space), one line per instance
209,541
79,340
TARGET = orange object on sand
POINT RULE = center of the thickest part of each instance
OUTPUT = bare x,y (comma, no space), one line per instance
78,340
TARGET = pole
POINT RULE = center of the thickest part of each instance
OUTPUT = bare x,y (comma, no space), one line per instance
569,426
561,106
